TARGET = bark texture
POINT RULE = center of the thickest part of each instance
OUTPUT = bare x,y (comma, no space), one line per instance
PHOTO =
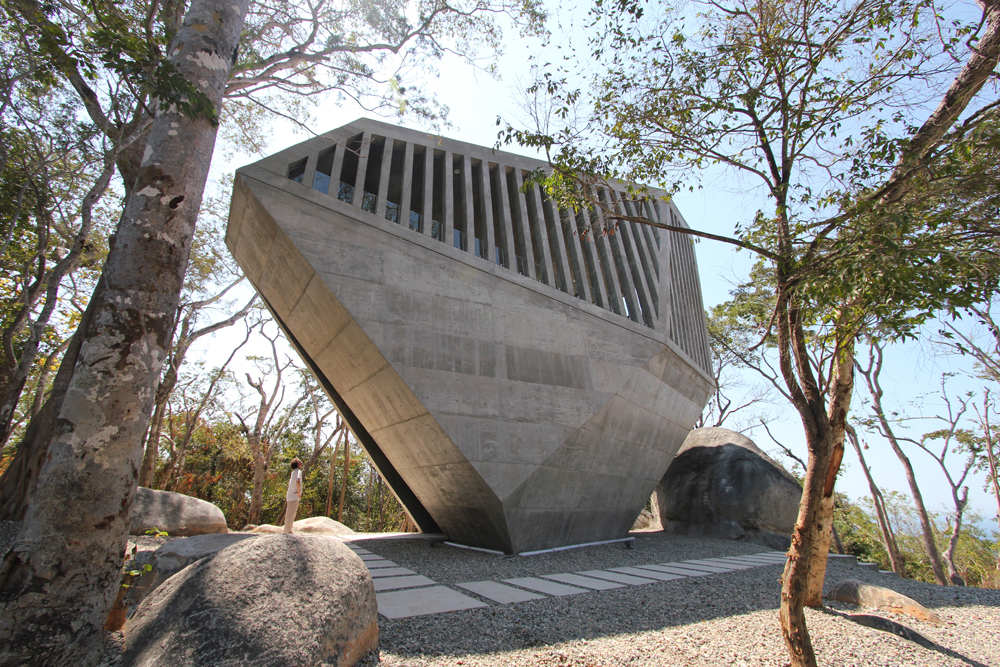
59,580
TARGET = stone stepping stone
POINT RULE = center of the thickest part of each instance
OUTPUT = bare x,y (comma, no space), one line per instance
422,601
586,582
754,560
676,569
392,583
390,572
357,550
376,564
759,558
706,566
734,564
499,592
370,556
620,577
545,586
649,574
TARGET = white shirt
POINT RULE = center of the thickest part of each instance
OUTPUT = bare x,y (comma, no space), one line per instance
294,485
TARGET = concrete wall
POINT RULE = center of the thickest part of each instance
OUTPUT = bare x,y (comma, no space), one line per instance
512,411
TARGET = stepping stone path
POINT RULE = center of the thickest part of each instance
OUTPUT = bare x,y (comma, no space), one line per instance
402,593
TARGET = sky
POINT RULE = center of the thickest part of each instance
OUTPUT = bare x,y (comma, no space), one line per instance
475,98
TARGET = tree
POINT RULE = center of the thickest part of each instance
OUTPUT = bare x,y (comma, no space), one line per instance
954,439
163,81
882,424
193,396
60,577
268,421
991,449
732,348
810,99
50,184
202,293
985,351
878,505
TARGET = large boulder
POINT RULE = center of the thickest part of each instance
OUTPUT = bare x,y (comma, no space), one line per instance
176,514
647,520
271,600
316,525
157,566
722,485
321,525
861,594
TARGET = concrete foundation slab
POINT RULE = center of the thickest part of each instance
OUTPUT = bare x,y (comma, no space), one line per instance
423,601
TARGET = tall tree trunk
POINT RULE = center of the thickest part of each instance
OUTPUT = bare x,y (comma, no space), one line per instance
257,492
926,529
838,404
165,388
329,483
991,455
18,481
871,375
41,388
152,445
347,472
805,569
881,515
949,554
61,576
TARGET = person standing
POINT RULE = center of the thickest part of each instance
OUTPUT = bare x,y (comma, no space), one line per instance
293,495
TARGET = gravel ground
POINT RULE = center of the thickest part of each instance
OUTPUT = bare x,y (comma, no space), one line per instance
724,619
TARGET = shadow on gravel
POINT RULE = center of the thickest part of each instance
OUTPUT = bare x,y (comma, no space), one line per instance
900,630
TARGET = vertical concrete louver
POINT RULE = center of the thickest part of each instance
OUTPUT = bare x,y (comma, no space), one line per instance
521,374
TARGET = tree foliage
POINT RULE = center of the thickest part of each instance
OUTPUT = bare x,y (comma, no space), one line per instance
821,104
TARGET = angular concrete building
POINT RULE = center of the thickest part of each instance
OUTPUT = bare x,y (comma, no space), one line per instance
521,380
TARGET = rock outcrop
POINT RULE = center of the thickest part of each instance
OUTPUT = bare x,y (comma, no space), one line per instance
176,514
314,525
271,600
646,520
861,594
321,525
720,484
159,565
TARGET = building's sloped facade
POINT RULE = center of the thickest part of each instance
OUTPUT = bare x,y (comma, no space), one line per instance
521,379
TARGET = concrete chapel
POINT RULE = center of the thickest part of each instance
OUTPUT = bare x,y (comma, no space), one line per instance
521,379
